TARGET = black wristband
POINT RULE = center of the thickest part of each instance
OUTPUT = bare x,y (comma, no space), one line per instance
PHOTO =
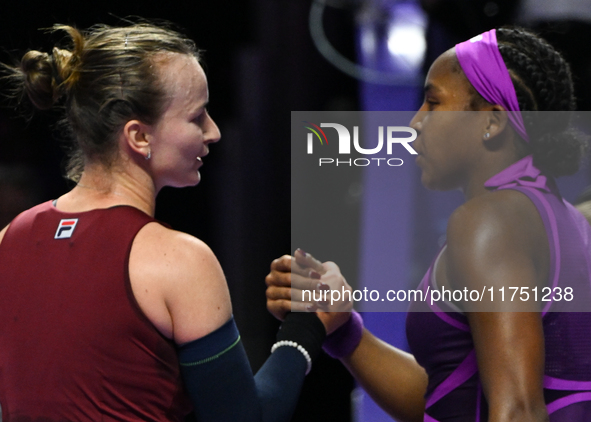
305,329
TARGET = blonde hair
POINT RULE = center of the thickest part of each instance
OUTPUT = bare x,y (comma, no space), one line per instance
107,76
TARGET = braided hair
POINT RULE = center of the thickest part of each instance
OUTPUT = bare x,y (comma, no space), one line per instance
543,82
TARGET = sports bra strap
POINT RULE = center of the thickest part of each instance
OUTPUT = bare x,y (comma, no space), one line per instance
460,375
568,400
428,418
560,384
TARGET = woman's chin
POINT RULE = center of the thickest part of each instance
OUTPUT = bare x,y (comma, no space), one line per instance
437,184
428,182
187,182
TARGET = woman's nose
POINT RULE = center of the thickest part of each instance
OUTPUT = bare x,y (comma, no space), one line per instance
417,121
212,132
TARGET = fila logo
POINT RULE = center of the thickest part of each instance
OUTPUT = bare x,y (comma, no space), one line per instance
65,229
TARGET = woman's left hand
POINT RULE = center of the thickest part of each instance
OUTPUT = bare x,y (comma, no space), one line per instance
302,283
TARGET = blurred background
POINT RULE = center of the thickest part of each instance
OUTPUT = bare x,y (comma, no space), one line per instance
265,58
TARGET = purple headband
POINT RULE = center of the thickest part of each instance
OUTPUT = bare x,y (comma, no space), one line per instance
484,67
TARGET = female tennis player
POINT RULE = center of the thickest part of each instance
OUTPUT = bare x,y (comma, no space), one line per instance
480,130
105,313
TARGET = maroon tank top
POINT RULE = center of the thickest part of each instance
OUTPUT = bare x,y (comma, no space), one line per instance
74,344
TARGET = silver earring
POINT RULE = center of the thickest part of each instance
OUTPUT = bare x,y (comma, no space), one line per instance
486,135
149,154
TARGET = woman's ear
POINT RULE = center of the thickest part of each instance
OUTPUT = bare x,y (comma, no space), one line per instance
495,123
137,137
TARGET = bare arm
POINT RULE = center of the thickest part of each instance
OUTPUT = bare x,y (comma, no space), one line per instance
180,286
499,240
393,378
178,283
510,351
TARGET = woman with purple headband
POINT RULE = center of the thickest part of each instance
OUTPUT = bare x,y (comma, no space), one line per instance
514,230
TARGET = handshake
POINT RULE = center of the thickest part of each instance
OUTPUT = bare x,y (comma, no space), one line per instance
301,283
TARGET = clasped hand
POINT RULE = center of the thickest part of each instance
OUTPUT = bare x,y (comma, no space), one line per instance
301,283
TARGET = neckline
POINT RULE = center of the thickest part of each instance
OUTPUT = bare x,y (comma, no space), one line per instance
52,205
521,173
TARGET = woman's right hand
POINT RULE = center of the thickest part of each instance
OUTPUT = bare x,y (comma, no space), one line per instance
302,283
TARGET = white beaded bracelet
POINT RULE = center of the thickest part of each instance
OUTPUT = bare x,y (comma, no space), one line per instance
297,346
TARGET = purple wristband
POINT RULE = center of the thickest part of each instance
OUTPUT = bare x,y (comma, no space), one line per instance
343,341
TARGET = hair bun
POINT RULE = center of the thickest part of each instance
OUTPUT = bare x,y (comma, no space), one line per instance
37,68
62,61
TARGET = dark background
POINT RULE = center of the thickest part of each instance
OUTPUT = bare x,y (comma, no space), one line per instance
261,64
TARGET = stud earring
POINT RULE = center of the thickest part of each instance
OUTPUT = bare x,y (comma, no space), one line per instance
486,135
149,154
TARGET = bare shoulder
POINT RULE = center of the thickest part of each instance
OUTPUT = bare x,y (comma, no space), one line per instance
178,283
497,239
3,232
177,251
501,216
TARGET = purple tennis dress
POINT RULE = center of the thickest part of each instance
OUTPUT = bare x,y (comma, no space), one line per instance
441,340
